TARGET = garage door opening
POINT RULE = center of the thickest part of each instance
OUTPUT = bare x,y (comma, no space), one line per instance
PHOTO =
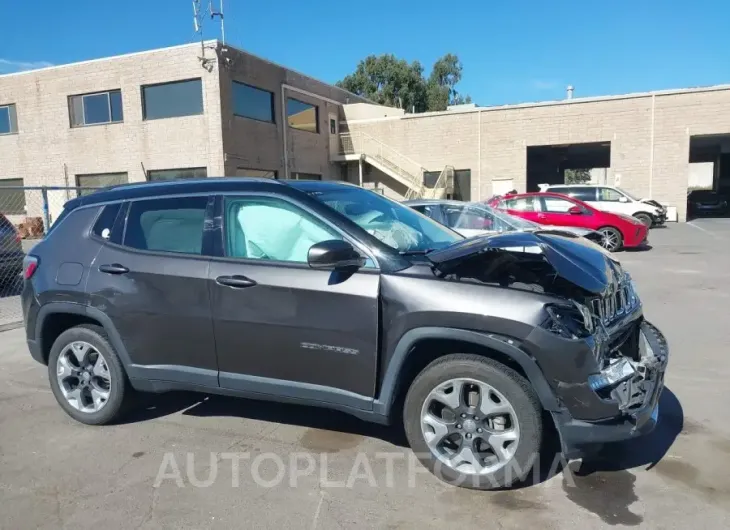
567,164
708,179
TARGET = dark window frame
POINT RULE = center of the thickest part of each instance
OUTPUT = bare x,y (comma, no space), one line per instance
271,94
12,118
316,115
175,82
14,188
109,106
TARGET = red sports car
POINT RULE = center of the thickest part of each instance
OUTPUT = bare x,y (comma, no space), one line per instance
618,231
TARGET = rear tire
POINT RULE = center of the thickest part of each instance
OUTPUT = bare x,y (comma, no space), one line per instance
87,378
612,239
494,439
645,218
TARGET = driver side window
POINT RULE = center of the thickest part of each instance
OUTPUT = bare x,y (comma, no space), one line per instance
608,195
266,228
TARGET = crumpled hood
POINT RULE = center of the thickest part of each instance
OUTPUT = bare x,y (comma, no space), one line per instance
542,255
655,204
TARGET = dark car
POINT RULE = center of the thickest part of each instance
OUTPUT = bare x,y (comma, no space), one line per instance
11,254
326,294
706,202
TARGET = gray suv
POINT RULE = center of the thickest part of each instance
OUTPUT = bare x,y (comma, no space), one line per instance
326,294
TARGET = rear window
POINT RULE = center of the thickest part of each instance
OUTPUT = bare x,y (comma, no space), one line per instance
582,194
105,221
167,225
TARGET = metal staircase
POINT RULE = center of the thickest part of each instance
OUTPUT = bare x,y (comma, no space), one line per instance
360,145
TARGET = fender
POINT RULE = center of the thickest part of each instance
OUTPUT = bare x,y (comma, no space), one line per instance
389,387
52,308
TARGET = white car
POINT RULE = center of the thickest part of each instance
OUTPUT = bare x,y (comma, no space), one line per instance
475,219
614,200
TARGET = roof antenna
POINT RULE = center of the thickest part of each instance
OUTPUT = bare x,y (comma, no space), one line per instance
219,14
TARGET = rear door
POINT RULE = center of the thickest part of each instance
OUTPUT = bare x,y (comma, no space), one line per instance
150,278
280,326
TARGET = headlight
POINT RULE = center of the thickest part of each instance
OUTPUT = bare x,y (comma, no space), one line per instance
570,322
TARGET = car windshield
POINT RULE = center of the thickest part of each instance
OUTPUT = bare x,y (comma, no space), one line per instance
629,195
482,217
398,226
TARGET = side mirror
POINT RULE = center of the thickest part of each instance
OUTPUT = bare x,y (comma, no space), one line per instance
575,210
623,199
334,254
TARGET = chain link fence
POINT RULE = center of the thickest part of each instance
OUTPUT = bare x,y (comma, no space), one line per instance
26,214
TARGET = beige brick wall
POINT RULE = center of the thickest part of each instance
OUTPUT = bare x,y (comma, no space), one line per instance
502,135
259,145
46,144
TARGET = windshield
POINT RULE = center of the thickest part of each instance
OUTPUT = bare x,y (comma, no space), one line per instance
630,196
398,226
483,217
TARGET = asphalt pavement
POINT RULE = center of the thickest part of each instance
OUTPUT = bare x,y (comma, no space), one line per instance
193,461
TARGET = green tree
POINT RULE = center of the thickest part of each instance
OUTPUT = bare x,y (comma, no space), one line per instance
577,176
387,80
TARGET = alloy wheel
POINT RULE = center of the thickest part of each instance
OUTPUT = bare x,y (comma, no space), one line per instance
83,377
609,239
469,426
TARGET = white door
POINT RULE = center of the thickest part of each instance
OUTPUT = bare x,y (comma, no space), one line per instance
334,130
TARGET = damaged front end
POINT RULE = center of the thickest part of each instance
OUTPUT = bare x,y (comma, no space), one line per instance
604,362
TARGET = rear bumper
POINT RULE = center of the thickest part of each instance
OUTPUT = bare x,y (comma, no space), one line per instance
637,400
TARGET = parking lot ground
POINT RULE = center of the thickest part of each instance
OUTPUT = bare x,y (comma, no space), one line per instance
55,473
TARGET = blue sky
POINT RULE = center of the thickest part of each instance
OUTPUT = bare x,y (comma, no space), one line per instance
512,51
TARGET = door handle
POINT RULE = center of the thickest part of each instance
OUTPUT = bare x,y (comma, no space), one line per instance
237,281
114,268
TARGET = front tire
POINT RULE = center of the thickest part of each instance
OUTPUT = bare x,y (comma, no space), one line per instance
611,238
87,378
473,422
645,218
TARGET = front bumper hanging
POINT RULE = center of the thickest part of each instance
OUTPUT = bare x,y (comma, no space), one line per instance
639,388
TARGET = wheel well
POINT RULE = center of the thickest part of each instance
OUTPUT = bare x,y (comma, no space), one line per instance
643,213
55,324
426,351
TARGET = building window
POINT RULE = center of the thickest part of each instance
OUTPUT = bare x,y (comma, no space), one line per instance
156,175
12,197
167,225
8,119
93,109
333,126
302,116
90,183
256,173
462,185
254,103
170,100
306,176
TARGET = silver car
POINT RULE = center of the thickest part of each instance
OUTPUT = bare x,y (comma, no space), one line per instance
474,219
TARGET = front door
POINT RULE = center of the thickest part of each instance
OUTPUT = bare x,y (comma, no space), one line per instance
153,285
557,211
334,134
281,326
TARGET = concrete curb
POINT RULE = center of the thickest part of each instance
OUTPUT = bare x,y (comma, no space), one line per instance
11,325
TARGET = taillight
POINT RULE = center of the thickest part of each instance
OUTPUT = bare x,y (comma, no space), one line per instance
30,265
18,239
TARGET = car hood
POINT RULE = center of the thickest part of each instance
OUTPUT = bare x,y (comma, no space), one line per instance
559,264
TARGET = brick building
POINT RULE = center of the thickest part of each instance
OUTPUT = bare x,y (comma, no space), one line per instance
212,110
